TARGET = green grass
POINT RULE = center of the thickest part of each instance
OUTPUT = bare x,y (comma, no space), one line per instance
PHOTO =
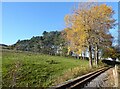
22,69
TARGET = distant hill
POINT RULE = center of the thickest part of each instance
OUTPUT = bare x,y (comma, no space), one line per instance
51,43
4,46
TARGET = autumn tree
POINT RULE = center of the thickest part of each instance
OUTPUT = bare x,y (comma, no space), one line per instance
88,28
103,23
111,52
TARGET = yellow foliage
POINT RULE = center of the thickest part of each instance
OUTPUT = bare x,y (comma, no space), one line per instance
86,26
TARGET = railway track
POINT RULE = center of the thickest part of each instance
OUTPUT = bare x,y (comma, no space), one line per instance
80,82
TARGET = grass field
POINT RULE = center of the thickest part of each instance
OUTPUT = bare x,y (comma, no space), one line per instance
22,69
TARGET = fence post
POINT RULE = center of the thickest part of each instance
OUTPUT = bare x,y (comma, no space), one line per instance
115,74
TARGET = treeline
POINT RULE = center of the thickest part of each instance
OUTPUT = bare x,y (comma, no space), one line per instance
51,43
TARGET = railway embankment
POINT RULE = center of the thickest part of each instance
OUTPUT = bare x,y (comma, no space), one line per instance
108,78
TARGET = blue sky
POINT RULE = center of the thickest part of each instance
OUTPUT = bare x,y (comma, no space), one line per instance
23,20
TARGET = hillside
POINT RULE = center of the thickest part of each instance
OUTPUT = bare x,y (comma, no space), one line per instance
3,46
23,69
51,43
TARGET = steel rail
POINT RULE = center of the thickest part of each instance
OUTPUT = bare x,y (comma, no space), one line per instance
79,82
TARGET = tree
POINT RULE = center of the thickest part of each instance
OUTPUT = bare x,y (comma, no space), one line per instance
88,28
111,52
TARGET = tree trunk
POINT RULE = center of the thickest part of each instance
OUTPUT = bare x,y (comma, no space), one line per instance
83,55
90,56
96,55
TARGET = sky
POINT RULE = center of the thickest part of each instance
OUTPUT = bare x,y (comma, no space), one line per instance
23,20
